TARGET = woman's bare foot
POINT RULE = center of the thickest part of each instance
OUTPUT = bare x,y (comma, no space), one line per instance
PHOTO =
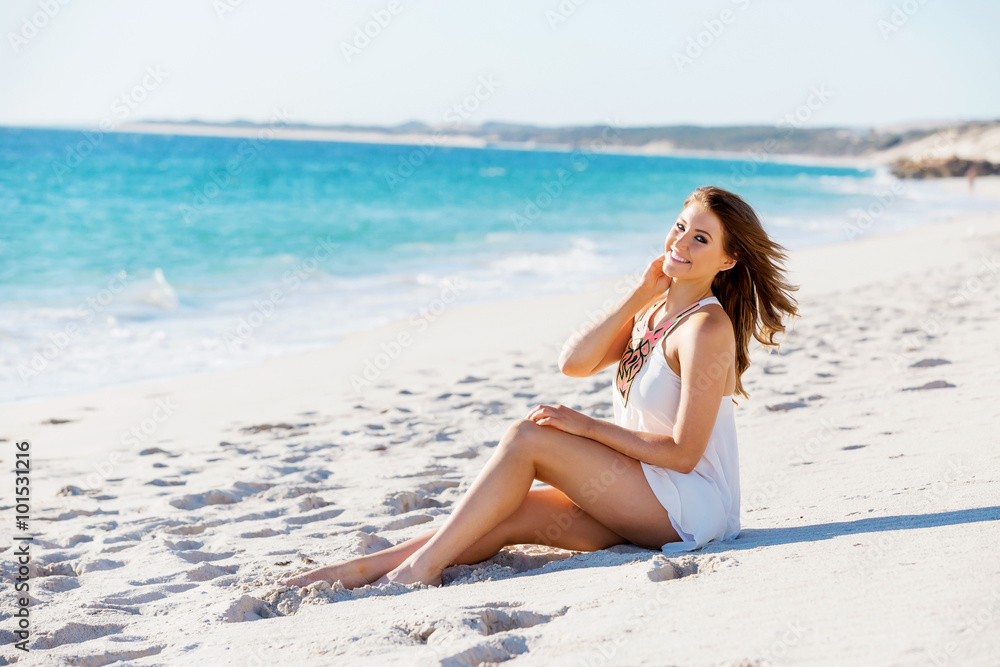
352,574
410,572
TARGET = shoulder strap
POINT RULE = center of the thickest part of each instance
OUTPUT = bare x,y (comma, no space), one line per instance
665,328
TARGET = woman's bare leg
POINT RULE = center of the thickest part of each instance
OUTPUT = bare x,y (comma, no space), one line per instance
607,485
363,570
546,516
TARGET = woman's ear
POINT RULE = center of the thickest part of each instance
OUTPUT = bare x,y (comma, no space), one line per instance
729,263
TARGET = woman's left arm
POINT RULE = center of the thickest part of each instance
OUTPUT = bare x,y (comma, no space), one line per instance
706,351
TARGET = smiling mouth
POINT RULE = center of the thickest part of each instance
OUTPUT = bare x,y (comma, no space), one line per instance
677,258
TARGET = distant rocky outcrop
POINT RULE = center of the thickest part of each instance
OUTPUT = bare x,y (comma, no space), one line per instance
941,167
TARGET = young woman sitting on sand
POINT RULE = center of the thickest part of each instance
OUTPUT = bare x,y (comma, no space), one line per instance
665,474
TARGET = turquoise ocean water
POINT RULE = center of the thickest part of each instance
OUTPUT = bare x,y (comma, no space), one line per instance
126,257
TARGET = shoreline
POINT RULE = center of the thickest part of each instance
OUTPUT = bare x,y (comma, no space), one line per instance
471,142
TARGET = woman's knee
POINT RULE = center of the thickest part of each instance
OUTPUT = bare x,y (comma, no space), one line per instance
520,436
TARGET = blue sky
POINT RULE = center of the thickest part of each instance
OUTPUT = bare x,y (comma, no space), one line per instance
592,61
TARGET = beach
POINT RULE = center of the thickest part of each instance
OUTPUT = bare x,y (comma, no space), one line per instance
164,511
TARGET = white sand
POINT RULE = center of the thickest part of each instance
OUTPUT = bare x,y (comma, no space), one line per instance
870,511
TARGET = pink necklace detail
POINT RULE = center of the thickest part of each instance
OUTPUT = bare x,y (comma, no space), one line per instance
638,350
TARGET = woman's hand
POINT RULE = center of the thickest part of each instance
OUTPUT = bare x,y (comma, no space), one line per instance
654,281
562,418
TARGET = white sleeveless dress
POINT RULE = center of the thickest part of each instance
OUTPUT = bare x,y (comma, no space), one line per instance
704,504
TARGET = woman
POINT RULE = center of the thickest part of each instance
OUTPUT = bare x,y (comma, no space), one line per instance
665,474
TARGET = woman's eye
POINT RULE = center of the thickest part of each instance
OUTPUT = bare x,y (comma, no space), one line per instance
681,227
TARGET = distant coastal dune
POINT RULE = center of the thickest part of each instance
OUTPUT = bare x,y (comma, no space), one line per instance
912,151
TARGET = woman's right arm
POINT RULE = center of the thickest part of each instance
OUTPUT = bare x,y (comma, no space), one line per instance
597,345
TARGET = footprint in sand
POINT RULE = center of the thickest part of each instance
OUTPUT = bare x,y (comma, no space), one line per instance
407,501
928,363
469,453
132,598
77,539
196,556
407,521
54,564
263,428
75,633
311,503
312,518
437,486
72,514
936,384
96,565
199,500
369,543
238,492
59,583
497,622
161,482
183,545
786,406
209,571
191,529
666,569
263,532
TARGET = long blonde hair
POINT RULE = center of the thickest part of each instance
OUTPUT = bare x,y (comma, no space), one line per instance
754,293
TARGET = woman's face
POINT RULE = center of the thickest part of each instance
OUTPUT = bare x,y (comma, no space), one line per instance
694,246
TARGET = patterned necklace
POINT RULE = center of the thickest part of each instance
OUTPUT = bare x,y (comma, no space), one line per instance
638,350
